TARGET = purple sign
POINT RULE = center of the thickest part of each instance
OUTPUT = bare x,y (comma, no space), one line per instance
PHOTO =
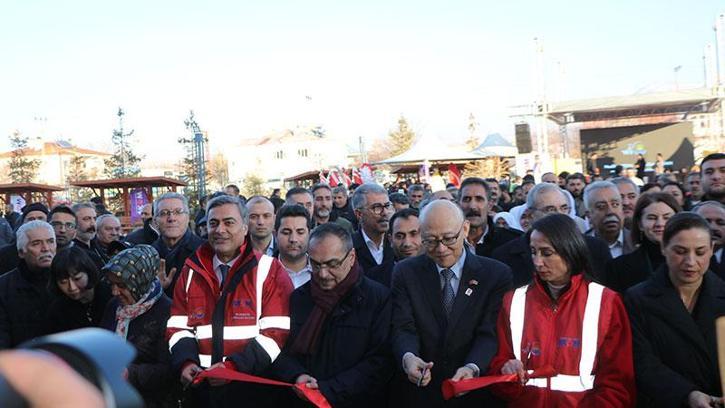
138,200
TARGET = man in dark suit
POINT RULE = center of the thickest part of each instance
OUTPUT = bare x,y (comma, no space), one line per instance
405,241
714,213
545,199
483,235
374,209
606,216
445,305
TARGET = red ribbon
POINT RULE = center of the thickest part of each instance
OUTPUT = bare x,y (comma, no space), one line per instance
452,388
221,373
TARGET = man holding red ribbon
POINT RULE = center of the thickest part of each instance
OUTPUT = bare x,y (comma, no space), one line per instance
340,322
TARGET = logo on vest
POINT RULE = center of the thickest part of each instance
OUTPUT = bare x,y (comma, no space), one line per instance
569,342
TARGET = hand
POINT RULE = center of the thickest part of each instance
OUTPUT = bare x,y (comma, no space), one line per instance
188,374
215,382
165,278
414,368
462,373
698,399
309,381
515,367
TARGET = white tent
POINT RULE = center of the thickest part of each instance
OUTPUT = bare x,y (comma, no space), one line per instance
432,150
495,145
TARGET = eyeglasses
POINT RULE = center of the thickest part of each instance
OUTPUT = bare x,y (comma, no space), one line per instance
177,212
67,225
432,243
564,209
379,209
332,264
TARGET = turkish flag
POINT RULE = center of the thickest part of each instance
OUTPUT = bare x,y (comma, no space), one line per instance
454,176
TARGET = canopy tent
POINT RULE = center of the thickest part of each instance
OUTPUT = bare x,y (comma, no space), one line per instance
496,145
146,184
26,190
434,151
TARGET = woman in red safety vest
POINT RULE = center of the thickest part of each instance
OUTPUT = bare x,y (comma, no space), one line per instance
565,321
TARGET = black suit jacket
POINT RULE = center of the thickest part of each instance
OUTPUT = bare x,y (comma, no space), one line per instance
468,335
495,238
675,352
364,257
517,255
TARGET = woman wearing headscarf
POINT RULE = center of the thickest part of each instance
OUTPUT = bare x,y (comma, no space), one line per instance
673,321
138,313
648,223
565,321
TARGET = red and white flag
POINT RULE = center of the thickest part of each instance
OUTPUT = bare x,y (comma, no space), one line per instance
333,178
454,175
356,177
345,178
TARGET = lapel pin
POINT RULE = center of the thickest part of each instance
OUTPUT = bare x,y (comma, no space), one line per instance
469,291
472,282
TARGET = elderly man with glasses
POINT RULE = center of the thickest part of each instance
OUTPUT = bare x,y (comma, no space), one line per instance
543,200
373,209
176,242
445,305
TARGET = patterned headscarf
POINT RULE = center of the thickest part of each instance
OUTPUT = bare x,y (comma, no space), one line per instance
136,267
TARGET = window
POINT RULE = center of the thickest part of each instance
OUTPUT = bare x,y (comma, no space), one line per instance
302,152
279,154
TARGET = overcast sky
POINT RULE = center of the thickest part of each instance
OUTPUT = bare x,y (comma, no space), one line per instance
248,67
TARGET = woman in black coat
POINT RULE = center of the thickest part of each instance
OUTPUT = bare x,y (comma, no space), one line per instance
648,223
80,297
138,313
673,321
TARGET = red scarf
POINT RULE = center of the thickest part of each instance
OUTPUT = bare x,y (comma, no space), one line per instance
325,302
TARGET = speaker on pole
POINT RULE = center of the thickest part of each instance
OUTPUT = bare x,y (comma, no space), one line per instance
523,137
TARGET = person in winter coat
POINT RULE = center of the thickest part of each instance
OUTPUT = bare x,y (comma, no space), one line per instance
80,297
138,313
566,321
340,325
673,321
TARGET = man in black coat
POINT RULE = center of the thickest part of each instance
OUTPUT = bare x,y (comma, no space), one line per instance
712,172
341,206
374,209
176,242
474,199
24,296
9,258
348,359
147,233
545,199
445,306
405,241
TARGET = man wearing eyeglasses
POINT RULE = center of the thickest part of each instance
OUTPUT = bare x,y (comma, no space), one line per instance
373,209
543,200
63,221
445,305
606,216
176,242
340,325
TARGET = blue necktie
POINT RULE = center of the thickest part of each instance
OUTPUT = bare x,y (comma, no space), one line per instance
448,294
223,269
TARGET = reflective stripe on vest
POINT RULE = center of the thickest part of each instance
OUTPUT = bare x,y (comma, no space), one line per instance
248,332
590,332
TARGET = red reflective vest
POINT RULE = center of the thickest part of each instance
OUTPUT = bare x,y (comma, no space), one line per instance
256,310
584,335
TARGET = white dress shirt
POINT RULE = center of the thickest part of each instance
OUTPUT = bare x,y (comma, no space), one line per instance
376,252
457,269
216,262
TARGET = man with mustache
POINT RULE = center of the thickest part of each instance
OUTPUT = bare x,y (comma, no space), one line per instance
604,205
322,205
342,206
405,241
86,231
292,229
483,235
373,209
714,213
108,230
575,184
416,194
629,193
23,290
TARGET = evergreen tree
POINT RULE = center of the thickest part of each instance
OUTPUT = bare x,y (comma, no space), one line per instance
22,168
77,172
472,141
124,162
400,139
253,185
219,171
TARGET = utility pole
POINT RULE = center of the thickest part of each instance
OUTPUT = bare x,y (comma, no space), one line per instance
198,153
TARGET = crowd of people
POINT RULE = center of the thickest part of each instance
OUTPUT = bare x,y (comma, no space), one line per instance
375,295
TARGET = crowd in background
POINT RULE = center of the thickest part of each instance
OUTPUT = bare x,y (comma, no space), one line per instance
374,295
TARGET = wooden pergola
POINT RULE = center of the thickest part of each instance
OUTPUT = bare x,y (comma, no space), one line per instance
99,187
26,190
